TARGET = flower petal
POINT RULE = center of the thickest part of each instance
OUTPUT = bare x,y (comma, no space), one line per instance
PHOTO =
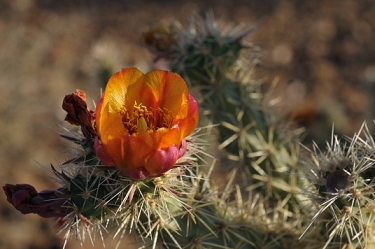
109,123
169,89
104,158
139,93
170,137
117,88
162,160
112,102
191,120
129,152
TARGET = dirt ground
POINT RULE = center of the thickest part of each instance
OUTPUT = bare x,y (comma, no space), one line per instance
322,52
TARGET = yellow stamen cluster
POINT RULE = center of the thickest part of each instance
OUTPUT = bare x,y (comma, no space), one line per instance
143,120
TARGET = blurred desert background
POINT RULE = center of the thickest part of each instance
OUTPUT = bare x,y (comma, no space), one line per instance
322,52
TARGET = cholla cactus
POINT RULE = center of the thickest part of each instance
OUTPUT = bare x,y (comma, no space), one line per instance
255,140
342,186
135,151
138,162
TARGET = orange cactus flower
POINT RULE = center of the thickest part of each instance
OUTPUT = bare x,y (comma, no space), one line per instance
142,121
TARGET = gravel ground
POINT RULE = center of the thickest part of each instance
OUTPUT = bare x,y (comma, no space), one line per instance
322,52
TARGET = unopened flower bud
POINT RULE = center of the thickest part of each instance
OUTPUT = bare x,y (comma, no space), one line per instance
78,113
47,203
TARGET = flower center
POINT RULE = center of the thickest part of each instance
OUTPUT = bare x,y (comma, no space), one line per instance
142,119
